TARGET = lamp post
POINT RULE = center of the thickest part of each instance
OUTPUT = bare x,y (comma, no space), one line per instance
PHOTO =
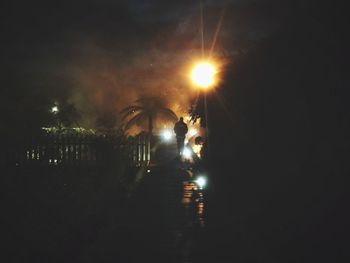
203,76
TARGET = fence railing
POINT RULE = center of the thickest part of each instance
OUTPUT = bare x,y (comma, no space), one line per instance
63,150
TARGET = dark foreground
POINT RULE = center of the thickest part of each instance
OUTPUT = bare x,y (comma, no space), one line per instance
88,215
78,215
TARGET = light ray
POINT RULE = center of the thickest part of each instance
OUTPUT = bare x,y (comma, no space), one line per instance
218,28
202,29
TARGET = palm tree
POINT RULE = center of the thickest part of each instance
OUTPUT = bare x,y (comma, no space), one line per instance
147,109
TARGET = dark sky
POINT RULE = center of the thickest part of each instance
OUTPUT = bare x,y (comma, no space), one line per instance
90,53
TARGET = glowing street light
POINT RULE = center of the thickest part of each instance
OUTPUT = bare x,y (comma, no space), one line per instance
201,181
204,77
54,110
187,153
203,74
166,135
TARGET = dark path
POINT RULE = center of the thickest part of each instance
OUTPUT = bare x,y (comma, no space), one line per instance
159,225
80,215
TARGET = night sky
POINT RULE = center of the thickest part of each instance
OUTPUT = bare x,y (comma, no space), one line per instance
279,120
89,53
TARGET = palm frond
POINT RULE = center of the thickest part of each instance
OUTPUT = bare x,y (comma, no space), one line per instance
147,108
169,113
131,108
135,120
130,111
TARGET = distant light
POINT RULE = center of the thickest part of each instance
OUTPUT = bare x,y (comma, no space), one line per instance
148,171
54,109
166,135
201,181
187,153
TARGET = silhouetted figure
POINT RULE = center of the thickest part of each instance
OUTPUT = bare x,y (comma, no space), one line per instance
180,130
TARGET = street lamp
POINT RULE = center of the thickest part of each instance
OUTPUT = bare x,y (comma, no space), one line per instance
187,154
166,135
203,75
54,110
201,181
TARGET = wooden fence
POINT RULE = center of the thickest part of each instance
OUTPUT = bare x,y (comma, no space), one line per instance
64,150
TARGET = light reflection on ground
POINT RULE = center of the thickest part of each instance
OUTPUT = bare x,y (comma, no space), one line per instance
193,200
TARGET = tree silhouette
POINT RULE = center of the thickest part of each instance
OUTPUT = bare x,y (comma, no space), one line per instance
146,109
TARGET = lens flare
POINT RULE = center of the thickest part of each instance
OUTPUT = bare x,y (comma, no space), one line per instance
203,74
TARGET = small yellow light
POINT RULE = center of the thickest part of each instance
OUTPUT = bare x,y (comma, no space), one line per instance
203,74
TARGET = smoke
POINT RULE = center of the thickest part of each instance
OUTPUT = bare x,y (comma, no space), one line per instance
101,56
112,72
148,60
149,56
106,81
